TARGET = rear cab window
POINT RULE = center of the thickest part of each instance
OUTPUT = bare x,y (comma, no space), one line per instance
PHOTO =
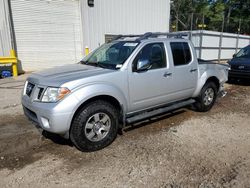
181,53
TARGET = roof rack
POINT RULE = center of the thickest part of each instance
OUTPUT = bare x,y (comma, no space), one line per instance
124,36
152,35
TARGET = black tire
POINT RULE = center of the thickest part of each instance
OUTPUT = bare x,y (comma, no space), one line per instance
203,105
78,132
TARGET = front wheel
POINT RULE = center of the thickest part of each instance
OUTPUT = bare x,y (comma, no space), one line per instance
207,97
95,126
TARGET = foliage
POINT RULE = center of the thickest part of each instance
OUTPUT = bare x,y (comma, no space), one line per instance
217,15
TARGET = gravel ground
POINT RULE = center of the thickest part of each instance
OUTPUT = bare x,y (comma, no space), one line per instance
181,149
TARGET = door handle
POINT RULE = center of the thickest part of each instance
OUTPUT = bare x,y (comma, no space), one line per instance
166,74
193,70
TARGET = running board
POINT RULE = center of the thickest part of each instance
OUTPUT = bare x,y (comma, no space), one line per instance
158,111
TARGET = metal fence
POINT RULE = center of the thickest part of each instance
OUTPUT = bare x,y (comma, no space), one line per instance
214,38
219,46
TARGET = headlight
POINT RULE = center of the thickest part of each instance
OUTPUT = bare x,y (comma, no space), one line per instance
25,87
53,94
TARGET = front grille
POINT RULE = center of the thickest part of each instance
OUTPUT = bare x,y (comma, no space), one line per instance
240,67
40,93
29,88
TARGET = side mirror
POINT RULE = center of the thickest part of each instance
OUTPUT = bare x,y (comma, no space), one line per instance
234,55
143,65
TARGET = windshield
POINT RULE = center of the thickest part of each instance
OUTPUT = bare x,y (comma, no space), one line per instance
111,55
244,52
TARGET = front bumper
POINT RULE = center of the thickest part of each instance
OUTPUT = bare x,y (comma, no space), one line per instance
52,117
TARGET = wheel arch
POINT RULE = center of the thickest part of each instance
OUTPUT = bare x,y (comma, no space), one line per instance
200,104
108,98
215,80
203,80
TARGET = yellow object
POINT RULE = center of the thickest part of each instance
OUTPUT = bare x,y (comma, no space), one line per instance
86,50
202,25
12,59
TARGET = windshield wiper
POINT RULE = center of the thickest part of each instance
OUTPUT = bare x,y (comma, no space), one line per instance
83,62
89,63
96,64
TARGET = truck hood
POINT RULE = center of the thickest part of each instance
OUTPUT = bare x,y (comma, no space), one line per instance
240,61
60,75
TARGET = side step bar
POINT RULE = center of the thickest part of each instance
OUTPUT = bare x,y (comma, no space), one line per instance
158,111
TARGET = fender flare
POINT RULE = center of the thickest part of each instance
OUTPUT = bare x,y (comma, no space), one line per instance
87,92
203,79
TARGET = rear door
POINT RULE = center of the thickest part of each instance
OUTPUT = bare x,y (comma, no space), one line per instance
184,69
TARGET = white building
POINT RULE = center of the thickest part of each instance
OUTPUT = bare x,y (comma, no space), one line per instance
47,33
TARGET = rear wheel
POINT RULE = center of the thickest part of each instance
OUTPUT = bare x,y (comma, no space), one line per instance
207,97
95,126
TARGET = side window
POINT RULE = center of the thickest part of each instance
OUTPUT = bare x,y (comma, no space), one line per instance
181,53
154,53
187,52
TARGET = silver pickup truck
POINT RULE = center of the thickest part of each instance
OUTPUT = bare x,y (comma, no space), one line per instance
129,79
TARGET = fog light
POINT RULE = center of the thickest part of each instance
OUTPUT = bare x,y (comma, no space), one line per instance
45,122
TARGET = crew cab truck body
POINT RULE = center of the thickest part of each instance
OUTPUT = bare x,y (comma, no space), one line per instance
127,80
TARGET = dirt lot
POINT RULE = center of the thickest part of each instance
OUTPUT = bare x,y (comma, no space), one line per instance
182,149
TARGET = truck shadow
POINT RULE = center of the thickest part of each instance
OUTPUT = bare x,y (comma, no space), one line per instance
57,138
62,141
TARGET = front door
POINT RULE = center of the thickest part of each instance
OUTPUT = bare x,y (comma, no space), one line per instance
149,88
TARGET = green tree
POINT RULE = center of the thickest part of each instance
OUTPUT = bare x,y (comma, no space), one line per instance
227,15
216,16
